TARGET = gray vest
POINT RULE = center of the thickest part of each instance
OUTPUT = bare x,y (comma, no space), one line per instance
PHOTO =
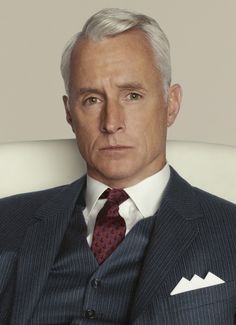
79,291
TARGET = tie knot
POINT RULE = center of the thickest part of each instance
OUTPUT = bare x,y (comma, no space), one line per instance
116,196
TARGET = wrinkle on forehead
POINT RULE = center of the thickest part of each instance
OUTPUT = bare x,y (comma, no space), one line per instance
113,61
134,41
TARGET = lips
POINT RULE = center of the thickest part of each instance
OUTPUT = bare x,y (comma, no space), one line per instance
116,147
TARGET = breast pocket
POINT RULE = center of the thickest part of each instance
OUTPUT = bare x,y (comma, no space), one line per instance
215,305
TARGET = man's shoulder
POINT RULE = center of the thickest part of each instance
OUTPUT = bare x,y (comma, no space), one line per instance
24,205
213,202
19,212
28,200
218,213
192,200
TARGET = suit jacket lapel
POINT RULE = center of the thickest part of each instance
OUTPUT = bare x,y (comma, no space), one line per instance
40,247
174,230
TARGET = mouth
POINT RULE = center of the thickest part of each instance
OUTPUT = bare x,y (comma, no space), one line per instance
115,148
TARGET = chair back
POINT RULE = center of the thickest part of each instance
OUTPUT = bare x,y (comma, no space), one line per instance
37,165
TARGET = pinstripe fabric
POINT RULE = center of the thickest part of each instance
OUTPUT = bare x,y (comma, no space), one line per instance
7,271
120,273
208,306
194,233
40,246
70,288
205,240
7,265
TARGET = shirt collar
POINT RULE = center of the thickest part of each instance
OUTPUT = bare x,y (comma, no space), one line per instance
146,195
94,190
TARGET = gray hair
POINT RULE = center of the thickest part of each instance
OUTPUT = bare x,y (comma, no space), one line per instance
111,22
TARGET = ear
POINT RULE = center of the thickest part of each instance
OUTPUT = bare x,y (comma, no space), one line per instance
174,101
67,110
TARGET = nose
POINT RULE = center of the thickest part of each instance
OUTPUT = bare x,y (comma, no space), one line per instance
113,119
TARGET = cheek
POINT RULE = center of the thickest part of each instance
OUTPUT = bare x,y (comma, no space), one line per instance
152,130
86,135
83,126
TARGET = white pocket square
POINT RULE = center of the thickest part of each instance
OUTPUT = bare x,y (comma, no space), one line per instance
195,283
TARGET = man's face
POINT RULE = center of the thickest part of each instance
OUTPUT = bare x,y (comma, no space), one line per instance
117,108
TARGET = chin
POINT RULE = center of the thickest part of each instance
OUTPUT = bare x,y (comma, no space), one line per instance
116,174
120,178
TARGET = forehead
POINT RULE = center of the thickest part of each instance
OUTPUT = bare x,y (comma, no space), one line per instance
132,45
123,55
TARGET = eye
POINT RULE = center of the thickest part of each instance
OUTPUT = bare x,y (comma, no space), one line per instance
134,96
92,100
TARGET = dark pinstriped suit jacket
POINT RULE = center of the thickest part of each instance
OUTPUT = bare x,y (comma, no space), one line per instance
194,233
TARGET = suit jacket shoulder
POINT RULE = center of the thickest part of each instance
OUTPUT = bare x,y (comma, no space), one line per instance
216,207
186,197
20,211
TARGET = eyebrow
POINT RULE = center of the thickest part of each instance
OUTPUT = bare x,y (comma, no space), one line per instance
82,91
132,86
127,85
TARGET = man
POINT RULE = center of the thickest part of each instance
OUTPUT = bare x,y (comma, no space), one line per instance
112,247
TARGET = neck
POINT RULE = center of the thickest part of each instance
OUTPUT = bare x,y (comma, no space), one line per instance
121,183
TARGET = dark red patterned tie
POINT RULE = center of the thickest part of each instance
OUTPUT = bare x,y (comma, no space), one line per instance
110,227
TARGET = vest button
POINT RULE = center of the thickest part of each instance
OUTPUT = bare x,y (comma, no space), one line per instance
95,283
90,314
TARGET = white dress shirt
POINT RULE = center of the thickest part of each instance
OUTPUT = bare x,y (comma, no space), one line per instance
144,200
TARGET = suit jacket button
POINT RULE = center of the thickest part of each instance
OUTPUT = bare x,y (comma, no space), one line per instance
90,314
95,283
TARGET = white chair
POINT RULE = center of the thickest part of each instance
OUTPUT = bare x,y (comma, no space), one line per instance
36,165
